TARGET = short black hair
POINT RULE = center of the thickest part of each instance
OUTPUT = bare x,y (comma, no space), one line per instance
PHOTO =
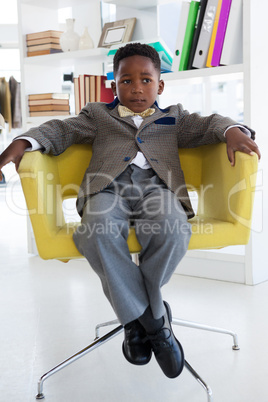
134,49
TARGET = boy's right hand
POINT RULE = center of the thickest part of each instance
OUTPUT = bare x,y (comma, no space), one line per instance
13,153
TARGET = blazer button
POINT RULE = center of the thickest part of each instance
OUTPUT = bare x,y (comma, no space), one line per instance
127,158
140,140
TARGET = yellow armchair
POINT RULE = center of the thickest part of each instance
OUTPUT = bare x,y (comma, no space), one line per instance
223,218
225,197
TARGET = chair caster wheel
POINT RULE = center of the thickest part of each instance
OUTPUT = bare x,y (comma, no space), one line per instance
40,396
235,347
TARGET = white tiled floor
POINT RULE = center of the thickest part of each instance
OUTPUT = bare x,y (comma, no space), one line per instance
49,310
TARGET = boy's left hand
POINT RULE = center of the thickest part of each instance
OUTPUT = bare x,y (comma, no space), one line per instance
238,141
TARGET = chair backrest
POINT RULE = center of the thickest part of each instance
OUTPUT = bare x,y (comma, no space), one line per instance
73,163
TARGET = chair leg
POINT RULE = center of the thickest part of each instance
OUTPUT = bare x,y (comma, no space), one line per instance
192,324
75,357
200,381
104,324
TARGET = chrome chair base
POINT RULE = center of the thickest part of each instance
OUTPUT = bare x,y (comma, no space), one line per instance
103,339
192,324
97,342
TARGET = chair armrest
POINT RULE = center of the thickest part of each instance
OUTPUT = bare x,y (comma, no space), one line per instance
41,186
227,191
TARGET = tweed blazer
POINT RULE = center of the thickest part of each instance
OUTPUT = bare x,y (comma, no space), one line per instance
116,140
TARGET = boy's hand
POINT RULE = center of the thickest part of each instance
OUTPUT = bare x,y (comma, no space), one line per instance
238,141
13,153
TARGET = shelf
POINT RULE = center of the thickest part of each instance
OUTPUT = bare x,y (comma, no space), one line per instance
203,72
224,71
92,55
140,4
37,120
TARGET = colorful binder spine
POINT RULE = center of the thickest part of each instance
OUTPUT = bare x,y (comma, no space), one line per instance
189,33
214,33
223,20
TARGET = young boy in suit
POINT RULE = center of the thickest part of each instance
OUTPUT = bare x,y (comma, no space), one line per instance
135,175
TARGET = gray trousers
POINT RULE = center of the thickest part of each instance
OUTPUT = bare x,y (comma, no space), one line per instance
162,229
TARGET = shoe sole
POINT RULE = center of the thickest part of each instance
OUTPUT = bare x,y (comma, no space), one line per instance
169,314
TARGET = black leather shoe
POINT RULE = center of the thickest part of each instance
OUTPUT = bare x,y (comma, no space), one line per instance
136,349
167,349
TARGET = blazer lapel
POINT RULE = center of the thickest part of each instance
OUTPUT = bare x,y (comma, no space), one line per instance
150,119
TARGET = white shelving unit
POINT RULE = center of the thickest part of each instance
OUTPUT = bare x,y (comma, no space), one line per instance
44,74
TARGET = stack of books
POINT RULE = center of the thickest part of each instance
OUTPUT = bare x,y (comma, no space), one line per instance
45,42
49,104
209,34
91,88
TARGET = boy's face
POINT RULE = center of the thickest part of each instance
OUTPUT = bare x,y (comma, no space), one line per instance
137,83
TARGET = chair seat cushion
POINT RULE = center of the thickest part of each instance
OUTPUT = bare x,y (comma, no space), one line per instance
207,233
